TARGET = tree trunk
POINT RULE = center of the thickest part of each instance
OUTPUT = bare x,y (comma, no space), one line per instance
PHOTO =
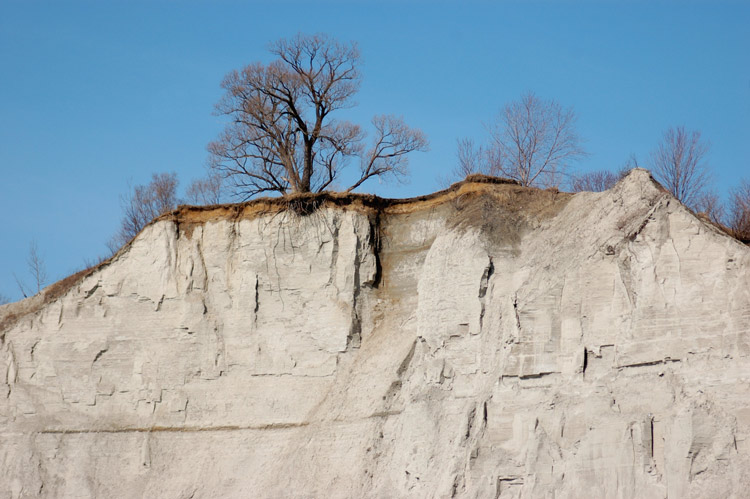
307,168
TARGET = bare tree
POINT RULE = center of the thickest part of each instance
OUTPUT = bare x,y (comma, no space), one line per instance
739,210
678,163
205,191
143,204
4,299
21,286
710,205
470,157
282,137
473,158
534,141
37,268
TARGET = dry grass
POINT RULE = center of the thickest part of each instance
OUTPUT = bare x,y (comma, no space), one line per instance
15,311
502,215
741,237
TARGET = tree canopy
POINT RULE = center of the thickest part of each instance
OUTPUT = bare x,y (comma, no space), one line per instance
532,140
282,135
679,163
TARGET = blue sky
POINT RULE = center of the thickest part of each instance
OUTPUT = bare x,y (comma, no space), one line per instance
96,95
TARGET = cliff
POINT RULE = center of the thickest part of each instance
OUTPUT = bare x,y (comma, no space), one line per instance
487,341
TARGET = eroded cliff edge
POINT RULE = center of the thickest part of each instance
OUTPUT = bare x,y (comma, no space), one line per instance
491,341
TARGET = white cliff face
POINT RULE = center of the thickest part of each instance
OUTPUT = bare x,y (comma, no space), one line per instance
494,341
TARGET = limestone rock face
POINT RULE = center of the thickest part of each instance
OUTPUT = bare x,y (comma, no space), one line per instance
489,341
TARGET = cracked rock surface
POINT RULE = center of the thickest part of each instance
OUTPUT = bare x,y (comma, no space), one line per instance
492,341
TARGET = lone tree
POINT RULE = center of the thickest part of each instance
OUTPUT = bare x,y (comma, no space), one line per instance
678,163
282,136
533,141
37,269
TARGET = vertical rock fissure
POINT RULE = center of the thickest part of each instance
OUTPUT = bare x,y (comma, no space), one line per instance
585,360
204,269
651,429
375,245
334,252
363,244
257,295
517,314
354,339
483,285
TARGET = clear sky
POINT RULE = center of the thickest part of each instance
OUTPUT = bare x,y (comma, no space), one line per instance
96,95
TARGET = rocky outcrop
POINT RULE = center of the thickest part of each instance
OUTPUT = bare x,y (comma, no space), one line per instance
487,341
